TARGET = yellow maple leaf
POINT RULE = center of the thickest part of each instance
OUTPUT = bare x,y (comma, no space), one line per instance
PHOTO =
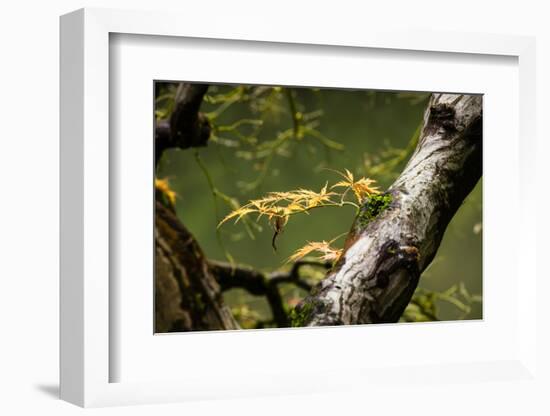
328,253
238,213
163,187
361,188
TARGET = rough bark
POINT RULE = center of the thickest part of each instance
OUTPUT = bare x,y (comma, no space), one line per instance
384,256
187,296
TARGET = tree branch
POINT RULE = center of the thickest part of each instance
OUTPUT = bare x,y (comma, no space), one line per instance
187,127
383,257
263,284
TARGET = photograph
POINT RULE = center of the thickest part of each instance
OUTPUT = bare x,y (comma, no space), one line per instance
282,206
254,208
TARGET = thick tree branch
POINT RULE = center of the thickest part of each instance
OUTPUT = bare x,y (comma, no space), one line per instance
383,258
187,127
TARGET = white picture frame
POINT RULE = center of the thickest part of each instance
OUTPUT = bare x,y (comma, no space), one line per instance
86,353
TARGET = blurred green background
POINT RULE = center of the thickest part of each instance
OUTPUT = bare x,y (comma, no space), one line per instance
245,159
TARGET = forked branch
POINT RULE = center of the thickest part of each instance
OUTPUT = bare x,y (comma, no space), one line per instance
187,127
264,284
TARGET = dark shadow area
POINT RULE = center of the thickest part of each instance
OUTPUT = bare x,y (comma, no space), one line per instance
51,390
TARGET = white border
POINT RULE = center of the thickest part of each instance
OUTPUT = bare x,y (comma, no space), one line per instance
85,206
137,60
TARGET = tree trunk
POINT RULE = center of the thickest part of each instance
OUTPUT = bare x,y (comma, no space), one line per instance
187,296
388,247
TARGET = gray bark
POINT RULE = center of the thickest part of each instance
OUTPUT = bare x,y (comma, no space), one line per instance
376,276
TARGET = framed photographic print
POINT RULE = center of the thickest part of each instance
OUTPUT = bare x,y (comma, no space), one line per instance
270,145
285,213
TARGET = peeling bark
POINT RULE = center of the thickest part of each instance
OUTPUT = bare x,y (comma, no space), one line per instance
384,257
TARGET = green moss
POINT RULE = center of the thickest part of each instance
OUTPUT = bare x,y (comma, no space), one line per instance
372,207
299,315
199,303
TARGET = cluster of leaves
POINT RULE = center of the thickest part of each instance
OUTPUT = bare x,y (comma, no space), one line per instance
278,207
424,304
164,193
247,138
387,163
324,248
165,100
247,317
266,105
